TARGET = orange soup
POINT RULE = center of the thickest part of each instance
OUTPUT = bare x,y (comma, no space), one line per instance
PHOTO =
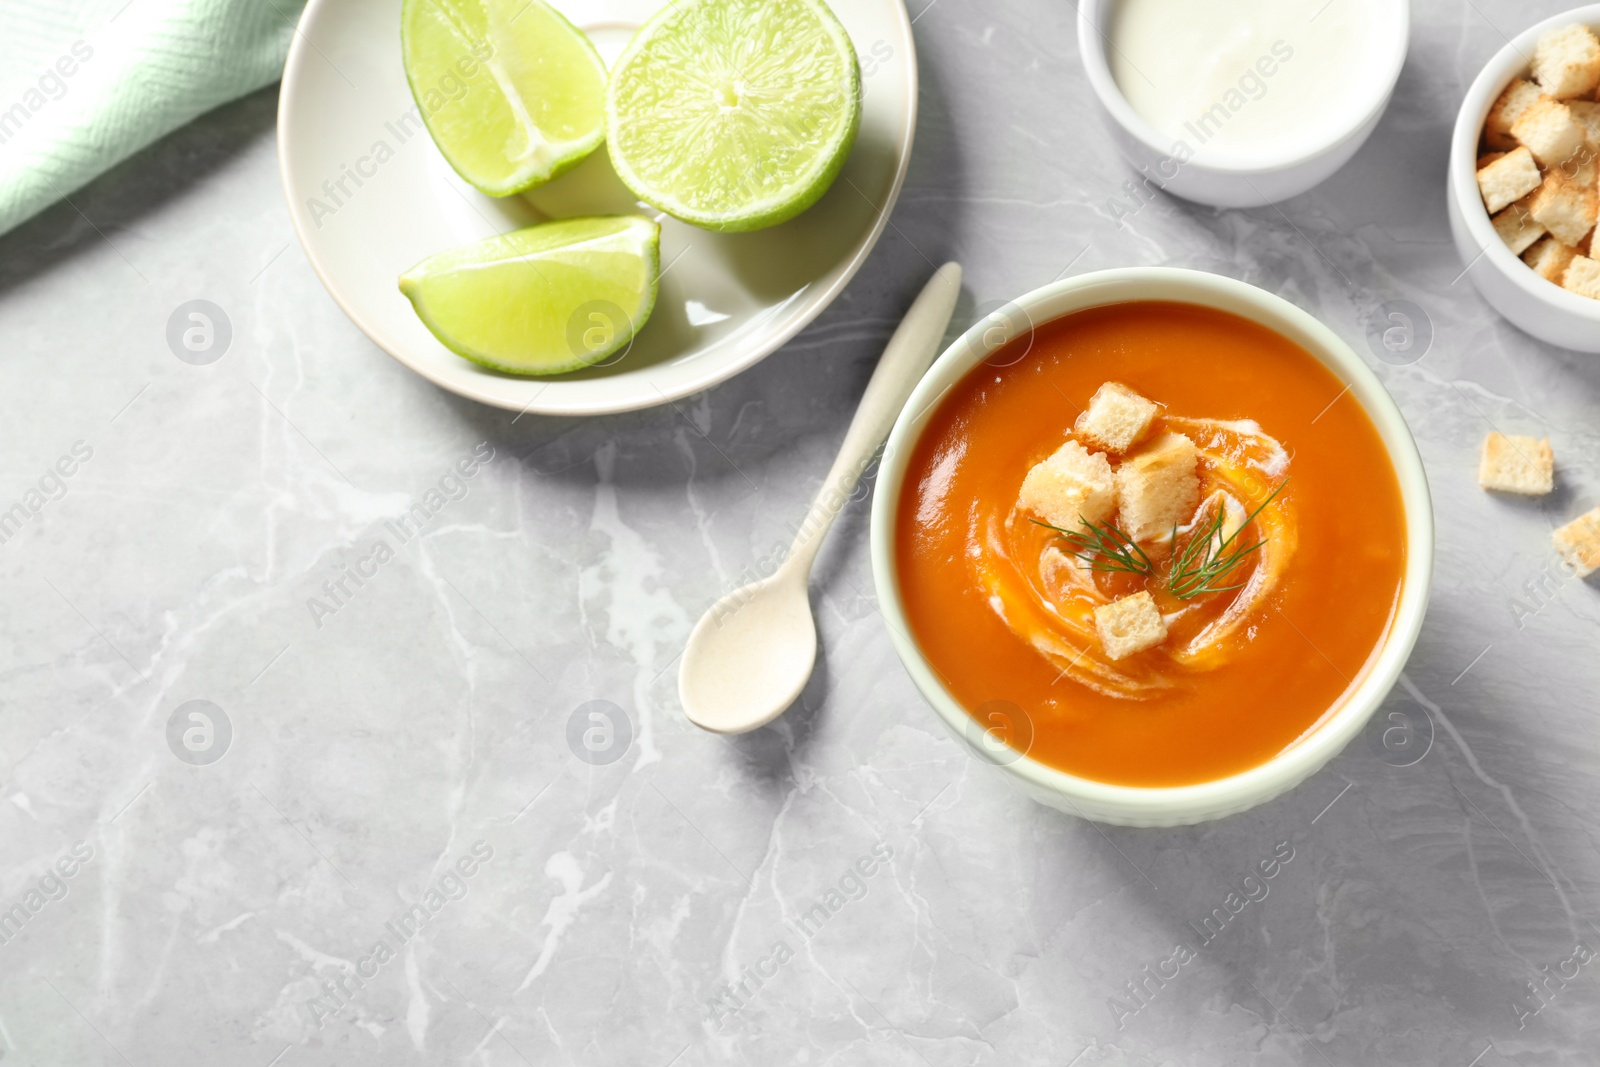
1261,576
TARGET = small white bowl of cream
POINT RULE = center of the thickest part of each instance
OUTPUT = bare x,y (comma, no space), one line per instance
1239,103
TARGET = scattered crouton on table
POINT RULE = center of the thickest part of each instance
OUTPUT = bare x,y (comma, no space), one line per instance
1521,465
1579,543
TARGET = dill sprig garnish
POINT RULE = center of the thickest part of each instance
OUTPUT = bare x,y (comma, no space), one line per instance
1205,561
1209,558
1104,547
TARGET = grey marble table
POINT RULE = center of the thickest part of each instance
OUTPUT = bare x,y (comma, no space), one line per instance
410,853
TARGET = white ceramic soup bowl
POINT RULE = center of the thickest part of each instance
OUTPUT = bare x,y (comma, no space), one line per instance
1532,304
1227,185
1166,806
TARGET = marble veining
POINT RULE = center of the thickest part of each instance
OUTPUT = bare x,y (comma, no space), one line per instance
457,815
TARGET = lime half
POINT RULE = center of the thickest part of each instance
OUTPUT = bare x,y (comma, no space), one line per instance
512,93
545,300
734,114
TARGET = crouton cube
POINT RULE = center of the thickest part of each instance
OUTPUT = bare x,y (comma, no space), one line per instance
1550,258
1129,625
1070,486
1517,98
1488,158
1158,488
1117,418
1582,277
1521,465
1517,227
1508,179
1588,113
1579,544
1584,167
1549,131
1565,208
1566,61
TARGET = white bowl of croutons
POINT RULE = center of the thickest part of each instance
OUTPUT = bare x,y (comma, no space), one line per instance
1524,167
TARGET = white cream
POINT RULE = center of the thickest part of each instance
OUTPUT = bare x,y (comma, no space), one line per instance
1250,82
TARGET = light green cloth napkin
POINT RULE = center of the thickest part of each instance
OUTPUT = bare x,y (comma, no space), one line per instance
87,83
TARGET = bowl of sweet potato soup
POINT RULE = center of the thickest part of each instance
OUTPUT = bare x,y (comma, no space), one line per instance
1154,542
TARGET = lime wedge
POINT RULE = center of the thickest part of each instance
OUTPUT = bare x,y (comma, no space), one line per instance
734,114
545,300
512,93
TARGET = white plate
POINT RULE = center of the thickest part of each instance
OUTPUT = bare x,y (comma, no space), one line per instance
726,301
